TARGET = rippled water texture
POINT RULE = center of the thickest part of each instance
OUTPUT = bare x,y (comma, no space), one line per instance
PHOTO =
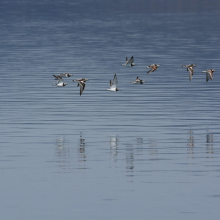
149,151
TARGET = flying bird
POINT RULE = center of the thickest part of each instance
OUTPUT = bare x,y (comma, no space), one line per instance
62,75
153,67
113,84
129,62
82,79
190,69
60,82
209,74
81,83
138,81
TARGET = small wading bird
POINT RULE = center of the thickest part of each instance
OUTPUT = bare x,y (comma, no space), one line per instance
138,81
209,74
113,85
153,67
60,82
190,69
129,62
81,83
65,75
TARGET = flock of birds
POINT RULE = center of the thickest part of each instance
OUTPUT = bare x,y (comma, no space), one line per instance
129,62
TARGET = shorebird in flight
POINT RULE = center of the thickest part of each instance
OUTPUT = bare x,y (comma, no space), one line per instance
113,84
153,67
62,75
81,83
82,79
209,74
129,62
190,69
138,81
60,82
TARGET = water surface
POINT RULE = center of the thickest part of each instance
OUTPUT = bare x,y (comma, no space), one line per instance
147,151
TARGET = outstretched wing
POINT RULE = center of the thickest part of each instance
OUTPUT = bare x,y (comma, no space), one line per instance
115,82
57,77
82,86
127,60
131,60
150,71
190,69
209,75
60,81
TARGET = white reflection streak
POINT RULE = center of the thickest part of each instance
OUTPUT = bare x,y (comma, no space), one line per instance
62,152
113,142
113,147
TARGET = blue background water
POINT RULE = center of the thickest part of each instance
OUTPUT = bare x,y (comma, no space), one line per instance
149,151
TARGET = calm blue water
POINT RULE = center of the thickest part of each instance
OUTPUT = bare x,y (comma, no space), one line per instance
149,151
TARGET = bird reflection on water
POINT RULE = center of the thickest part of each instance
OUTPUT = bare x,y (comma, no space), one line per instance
209,143
190,144
130,151
190,141
152,145
113,142
62,152
130,162
139,142
113,147
81,149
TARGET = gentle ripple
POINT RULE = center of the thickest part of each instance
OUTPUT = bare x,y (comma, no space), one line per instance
149,150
